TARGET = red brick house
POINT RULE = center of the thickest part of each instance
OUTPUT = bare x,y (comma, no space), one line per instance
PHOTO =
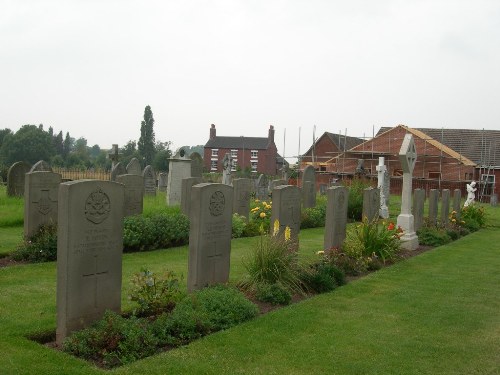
260,155
326,147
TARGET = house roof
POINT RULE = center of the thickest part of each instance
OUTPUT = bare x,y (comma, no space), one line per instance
482,147
254,143
340,141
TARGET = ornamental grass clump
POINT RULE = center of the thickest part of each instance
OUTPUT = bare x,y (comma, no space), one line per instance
274,260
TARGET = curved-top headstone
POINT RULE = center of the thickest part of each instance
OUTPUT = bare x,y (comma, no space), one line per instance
41,166
149,180
262,187
117,170
16,178
134,167
309,187
196,164
134,193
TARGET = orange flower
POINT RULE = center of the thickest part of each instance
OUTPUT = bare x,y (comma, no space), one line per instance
391,226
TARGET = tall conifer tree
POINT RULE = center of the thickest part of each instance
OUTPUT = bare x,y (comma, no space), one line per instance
146,144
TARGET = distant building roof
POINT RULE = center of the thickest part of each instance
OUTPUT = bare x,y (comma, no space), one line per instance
341,141
254,143
480,146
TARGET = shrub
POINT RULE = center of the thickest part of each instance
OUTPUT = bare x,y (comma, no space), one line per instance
273,260
238,225
368,239
355,201
314,217
155,293
273,293
433,236
41,247
260,213
113,341
474,217
349,263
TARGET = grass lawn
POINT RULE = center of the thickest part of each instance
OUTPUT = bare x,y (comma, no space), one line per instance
437,313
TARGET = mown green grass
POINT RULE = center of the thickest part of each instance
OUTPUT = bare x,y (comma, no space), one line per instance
11,209
433,314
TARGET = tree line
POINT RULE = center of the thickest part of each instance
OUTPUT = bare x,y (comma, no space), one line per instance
32,143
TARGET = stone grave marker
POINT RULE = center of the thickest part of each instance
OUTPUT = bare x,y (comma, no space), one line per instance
445,206
286,209
149,177
134,193
40,200
16,178
196,164
89,253
162,181
418,208
336,217
275,183
433,206
457,202
187,184
114,155
179,168
118,170
134,167
227,166
408,158
387,187
371,204
41,166
381,171
262,188
209,235
309,187
241,196
494,200
323,189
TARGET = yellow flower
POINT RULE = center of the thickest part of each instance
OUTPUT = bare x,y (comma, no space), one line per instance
257,201
453,212
264,203
288,233
262,215
321,252
453,220
463,222
276,227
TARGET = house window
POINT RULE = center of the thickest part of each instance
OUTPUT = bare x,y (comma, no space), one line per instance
254,154
234,165
254,166
435,175
469,176
213,165
234,153
215,152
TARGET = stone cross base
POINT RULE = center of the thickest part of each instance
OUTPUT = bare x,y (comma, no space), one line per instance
409,241
384,212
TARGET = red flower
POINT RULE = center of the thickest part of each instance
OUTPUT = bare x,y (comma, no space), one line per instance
390,226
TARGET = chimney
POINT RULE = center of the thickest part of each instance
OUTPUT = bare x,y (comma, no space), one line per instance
271,134
212,131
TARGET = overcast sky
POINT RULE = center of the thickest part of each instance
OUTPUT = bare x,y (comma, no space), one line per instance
90,67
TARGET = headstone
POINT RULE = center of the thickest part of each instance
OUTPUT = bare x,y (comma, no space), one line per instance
494,200
418,208
323,188
371,204
227,164
445,206
134,193
89,253
381,171
41,166
134,167
262,188
149,177
187,184
241,196
40,200
162,181
387,187
309,187
275,183
196,165
336,217
118,170
360,168
16,177
457,199
114,155
408,158
178,169
286,209
209,235
433,206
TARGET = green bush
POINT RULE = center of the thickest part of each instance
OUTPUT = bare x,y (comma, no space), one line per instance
41,247
273,293
352,264
313,217
433,236
324,277
355,201
473,216
238,225
113,341
155,293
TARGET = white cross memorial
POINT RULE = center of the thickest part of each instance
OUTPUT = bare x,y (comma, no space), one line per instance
381,169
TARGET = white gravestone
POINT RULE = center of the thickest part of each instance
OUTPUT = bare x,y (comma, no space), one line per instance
408,158
227,164
381,169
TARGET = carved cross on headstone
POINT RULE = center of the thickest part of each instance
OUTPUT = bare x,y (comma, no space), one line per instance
213,256
95,274
44,202
114,155
408,154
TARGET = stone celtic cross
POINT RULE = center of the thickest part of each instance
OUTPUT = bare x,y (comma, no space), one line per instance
408,154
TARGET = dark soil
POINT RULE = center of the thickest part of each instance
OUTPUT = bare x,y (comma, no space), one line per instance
8,261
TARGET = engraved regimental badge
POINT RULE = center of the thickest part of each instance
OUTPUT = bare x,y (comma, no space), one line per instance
217,203
97,206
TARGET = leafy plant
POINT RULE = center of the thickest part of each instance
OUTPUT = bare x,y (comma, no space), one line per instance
324,277
41,247
314,217
260,213
155,293
238,225
355,201
433,236
275,293
473,217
